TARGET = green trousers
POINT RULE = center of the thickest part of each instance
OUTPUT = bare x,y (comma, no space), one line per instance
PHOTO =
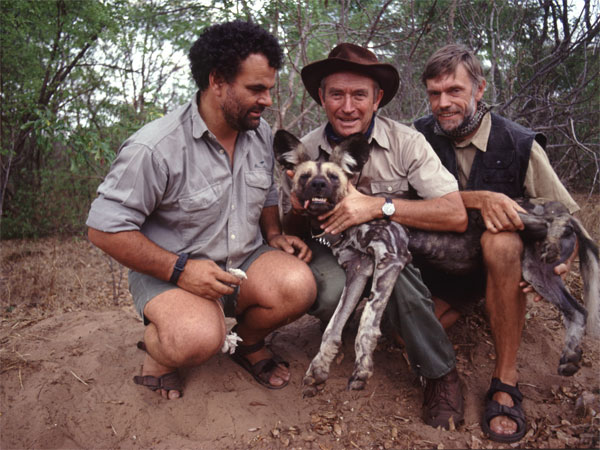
409,310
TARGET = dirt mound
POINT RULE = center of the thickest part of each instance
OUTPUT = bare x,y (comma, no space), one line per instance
68,355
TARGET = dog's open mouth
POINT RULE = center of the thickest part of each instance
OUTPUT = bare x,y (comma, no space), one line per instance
317,205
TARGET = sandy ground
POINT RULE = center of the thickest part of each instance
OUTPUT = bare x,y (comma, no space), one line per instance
68,355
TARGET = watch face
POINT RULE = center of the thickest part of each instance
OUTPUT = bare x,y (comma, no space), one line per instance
388,209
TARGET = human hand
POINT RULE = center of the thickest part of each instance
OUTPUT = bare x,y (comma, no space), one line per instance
561,270
292,245
354,209
499,213
206,279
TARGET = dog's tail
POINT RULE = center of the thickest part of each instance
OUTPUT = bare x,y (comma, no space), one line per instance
590,274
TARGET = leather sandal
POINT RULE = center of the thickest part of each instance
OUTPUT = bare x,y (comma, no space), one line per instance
263,369
168,381
495,409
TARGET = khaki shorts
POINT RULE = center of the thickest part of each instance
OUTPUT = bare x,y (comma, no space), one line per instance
144,287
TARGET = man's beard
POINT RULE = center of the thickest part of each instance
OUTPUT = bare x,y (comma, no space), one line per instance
238,118
470,123
468,115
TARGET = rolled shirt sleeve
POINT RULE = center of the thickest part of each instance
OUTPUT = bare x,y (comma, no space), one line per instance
131,191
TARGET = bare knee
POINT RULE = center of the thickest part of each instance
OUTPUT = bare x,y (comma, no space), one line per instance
297,288
191,342
501,249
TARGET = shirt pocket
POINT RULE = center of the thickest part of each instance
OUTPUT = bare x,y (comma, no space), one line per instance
201,212
258,183
392,188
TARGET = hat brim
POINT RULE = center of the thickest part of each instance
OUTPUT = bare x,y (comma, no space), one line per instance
385,74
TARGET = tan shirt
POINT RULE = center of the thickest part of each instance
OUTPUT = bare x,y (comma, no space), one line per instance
400,157
540,179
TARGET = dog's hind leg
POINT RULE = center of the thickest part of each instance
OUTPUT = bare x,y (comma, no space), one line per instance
369,329
590,274
358,269
539,259
571,355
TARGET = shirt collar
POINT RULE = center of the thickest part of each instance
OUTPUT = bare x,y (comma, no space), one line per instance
198,125
481,136
378,135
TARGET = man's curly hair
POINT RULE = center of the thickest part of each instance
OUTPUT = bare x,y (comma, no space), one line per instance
222,48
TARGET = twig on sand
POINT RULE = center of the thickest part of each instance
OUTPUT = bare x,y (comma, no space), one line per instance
75,375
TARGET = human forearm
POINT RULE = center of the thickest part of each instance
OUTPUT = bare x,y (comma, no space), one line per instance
270,224
295,224
445,213
273,234
135,251
475,199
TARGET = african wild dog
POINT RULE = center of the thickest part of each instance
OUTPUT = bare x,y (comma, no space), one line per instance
382,248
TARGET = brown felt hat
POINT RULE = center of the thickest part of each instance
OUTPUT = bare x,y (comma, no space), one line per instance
351,58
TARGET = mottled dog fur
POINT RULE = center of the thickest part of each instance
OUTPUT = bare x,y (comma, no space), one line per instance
382,248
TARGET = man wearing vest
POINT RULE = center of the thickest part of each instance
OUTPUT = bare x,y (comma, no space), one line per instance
494,161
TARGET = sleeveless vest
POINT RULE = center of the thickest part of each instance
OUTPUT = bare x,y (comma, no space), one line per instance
502,167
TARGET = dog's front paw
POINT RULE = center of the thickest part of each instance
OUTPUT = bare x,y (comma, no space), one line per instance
309,387
356,384
569,362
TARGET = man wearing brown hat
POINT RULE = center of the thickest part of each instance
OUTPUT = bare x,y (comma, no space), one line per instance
352,85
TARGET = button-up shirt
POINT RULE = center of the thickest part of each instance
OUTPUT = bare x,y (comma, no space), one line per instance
400,157
174,182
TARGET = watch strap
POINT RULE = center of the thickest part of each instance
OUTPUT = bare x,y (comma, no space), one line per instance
179,266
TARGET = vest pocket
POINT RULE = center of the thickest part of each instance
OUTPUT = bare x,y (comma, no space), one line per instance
497,168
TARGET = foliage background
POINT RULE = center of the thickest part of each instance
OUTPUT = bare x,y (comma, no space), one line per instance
78,76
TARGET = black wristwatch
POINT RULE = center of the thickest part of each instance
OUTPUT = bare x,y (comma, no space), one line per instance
179,266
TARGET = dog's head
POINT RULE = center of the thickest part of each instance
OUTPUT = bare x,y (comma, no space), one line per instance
320,185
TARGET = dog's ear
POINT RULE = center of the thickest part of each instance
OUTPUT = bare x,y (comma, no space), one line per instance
288,149
352,154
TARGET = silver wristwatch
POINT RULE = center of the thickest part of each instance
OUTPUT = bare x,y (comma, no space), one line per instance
388,209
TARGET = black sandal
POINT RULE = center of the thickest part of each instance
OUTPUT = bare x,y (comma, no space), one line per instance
495,409
168,381
263,369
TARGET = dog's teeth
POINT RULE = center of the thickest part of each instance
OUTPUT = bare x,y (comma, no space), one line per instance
306,203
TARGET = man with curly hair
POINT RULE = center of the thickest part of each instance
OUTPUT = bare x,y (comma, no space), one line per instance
189,199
